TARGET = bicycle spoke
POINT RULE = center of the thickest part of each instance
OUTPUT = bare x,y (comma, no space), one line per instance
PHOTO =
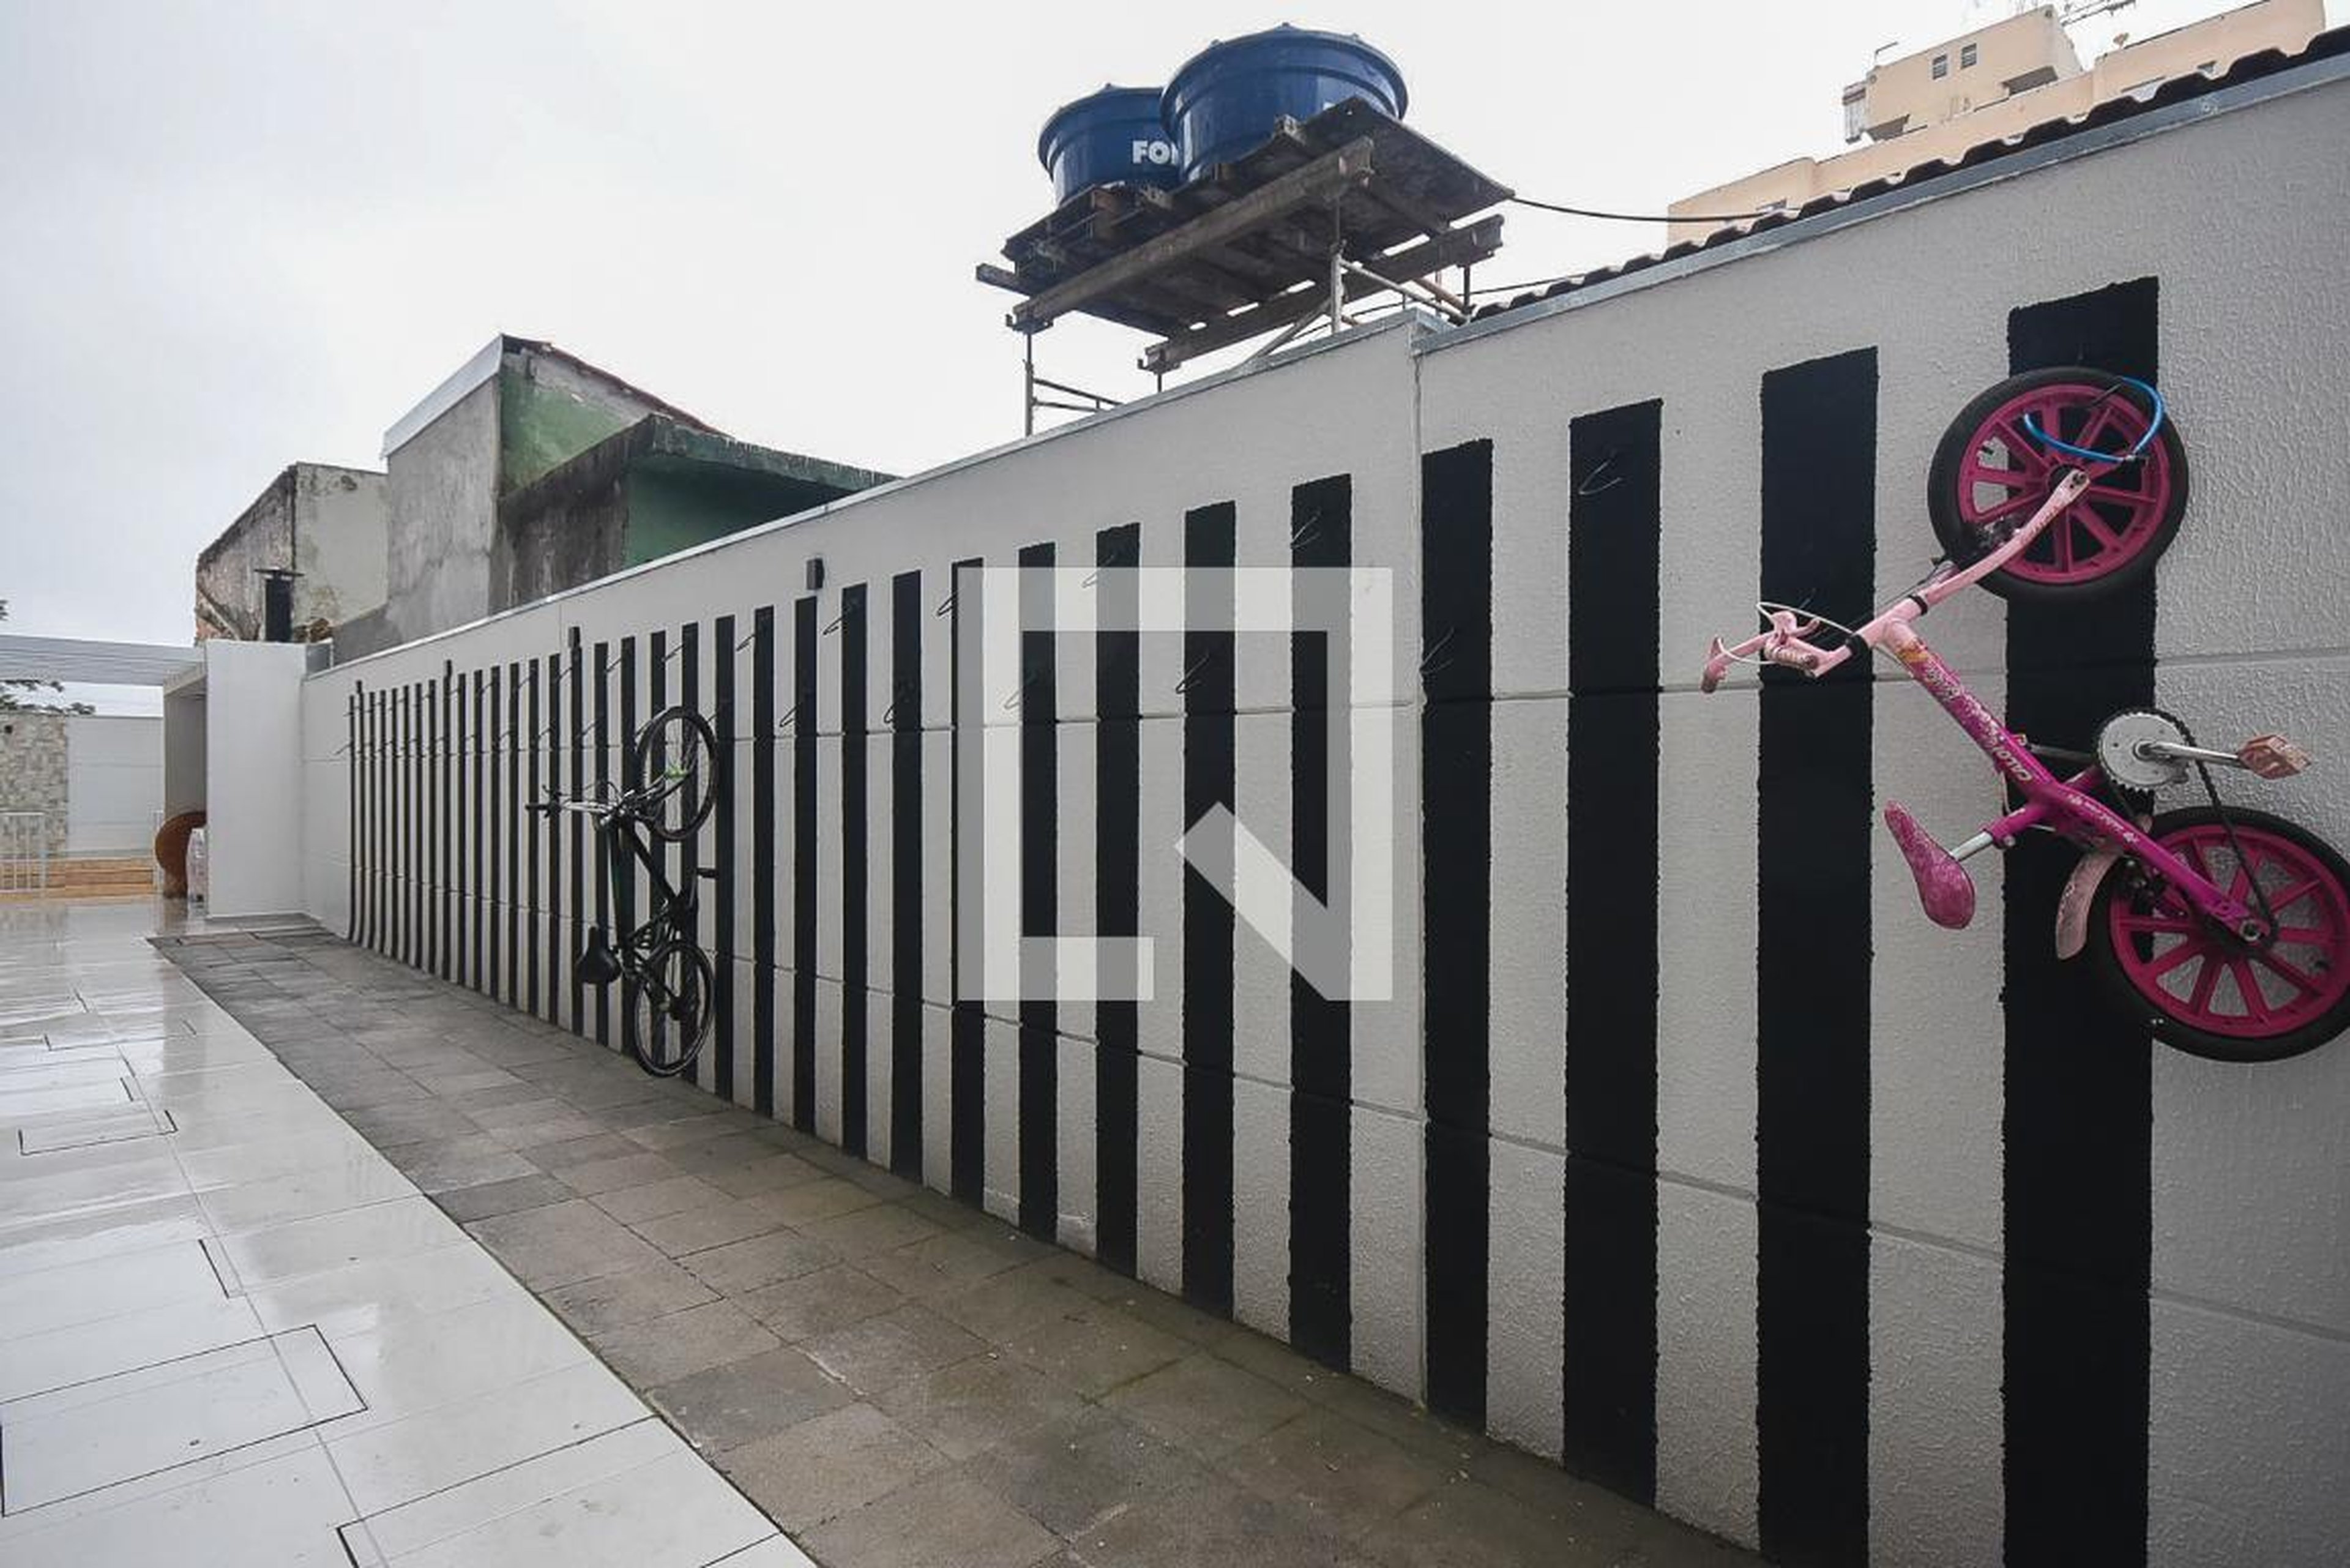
2087,518
2247,986
2207,980
2291,974
2174,958
2294,895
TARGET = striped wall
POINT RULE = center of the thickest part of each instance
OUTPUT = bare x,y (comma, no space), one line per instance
1686,1152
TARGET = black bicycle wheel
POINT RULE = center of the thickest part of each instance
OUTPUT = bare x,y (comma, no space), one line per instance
674,761
668,1008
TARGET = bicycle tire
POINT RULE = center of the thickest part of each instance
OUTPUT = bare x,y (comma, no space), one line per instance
2148,980
2136,505
673,761
668,1008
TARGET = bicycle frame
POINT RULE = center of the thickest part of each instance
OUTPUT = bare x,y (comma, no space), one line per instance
673,910
2065,805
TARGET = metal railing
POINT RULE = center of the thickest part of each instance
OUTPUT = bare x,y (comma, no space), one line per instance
23,852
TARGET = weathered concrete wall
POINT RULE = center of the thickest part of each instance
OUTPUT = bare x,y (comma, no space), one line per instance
33,768
325,521
554,409
442,483
1684,1150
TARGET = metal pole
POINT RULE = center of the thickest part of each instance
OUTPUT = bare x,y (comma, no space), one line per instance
1028,383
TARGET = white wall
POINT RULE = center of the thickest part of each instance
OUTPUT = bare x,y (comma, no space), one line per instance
114,783
2241,1320
252,776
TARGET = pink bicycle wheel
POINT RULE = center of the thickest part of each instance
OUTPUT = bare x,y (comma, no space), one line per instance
2211,992
1991,475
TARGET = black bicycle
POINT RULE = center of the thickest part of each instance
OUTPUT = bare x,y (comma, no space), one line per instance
666,978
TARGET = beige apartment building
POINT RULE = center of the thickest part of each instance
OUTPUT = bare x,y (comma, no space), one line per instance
1990,83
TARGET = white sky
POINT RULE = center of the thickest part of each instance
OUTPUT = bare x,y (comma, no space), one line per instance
235,235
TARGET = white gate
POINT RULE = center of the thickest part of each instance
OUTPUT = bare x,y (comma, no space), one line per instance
23,852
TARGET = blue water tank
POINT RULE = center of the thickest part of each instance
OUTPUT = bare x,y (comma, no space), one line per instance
1230,97
1109,137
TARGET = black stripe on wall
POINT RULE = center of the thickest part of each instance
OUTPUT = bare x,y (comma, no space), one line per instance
445,821
542,678
516,737
412,937
723,655
905,722
763,860
476,758
610,910
354,803
1208,764
855,807
2078,1171
575,728
1456,769
494,894
967,1037
803,830
1321,1051
1609,1372
1815,822
689,854
1040,901
1118,888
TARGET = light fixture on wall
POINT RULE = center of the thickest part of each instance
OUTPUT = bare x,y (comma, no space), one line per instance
814,573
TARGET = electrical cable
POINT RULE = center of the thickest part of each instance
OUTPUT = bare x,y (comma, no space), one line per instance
1646,217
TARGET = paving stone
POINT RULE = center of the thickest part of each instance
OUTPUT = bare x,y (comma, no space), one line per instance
561,1243
818,1303
705,1156
772,1174
828,1464
1206,1524
942,1520
518,1113
449,1163
631,1204
570,1153
677,1344
745,1401
890,1348
1346,1479
1095,1350
680,1130
465,1204
1467,1525
410,1121
942,1261
1071,1473
596,1176
636,1296
531,1136
948,1215
690,1230
1204,1405
740,1267
875,1229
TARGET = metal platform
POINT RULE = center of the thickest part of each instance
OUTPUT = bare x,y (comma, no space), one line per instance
1329,209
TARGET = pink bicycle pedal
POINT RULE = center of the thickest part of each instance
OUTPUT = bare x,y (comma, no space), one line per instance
1944,889
2272,756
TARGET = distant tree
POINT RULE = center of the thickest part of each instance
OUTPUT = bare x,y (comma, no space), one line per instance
15,693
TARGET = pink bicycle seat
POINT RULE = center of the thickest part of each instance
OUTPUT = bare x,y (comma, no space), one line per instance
1944,887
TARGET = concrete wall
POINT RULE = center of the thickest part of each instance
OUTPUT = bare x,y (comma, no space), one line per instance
442,486
252,776
33,768
325,521
114,783
1685,1150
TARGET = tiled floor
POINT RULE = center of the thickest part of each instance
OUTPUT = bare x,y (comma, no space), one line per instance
233,1333
898,1380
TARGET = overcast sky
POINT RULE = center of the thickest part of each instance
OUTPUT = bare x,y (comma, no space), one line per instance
234,235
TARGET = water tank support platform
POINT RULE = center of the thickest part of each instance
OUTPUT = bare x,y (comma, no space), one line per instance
1346,204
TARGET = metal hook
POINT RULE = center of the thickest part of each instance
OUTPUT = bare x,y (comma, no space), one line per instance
828,631
1306,532
791,716
1184,683
746,641
946,607
682,644
1590,486
1429,663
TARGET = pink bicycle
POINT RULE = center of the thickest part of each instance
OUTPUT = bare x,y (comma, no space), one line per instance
2225,928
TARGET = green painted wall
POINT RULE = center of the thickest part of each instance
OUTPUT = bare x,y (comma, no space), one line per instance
674,509
545,422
